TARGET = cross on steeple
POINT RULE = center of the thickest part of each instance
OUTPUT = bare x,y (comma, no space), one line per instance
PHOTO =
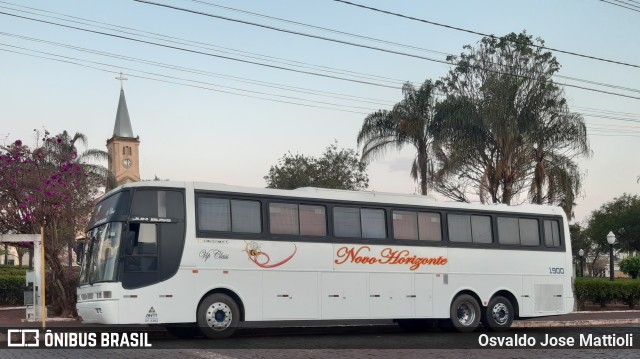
122,79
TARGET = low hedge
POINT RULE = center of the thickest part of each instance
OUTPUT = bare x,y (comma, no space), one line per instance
603,291
9,269
11,289
13,281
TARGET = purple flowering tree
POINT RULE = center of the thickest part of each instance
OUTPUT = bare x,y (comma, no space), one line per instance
52,186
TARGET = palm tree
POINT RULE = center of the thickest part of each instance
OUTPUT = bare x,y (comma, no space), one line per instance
559,138
407,123
86,157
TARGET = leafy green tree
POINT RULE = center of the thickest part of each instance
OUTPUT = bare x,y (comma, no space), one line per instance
580,240
504,126
620,216
49,186
407,123
630,266
336,169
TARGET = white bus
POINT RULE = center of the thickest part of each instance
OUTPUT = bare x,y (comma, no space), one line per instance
197,256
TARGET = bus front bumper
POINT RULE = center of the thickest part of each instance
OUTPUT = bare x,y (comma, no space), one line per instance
99,311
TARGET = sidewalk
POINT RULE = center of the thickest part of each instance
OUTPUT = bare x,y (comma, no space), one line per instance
583,319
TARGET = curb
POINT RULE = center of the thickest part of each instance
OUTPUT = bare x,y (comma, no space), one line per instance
574,323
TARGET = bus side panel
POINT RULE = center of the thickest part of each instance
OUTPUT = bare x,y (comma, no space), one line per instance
344,295
171,301
247,285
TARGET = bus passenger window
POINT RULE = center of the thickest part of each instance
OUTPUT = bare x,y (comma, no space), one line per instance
373,223
508,231
470,229
523,231
214,214
481,229
245,216
459,228
529,232
283,218
223,215
405,225
346,222
551,233
313,220
429,228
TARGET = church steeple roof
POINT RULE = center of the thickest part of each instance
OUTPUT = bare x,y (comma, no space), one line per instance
122,127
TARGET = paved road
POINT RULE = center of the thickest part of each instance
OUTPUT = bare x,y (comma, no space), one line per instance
354,343
373,340
317,354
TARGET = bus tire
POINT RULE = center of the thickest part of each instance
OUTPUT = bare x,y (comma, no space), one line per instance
218,316
465,313
498,316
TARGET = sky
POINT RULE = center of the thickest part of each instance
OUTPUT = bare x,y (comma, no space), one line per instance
203,117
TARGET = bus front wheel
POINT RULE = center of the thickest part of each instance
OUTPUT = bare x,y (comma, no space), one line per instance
218,316
499,314
465,313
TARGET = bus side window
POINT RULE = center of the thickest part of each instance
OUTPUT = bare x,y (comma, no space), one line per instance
144,248
551,233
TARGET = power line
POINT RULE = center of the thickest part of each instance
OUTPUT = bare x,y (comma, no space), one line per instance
374,39
206,73
293,32
288,62
381,103
189,50
613,125
200,52
598,83
608,117
321,28
627,3
608,111
605,135
482,34
632,9
197,44
366,46
201,85
194,81
182,84
606,129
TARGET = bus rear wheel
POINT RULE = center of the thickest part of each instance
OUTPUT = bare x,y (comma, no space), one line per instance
498,315
218,316
465,313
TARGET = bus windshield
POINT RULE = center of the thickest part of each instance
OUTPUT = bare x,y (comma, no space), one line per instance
101,255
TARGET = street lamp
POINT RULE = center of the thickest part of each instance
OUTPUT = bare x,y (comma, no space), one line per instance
581,254
611,239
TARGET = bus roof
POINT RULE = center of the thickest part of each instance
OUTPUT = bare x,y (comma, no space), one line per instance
356,196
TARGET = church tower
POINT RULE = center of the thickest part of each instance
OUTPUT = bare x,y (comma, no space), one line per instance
123,146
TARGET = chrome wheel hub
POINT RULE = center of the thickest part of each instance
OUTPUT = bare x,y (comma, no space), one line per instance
466,314
500,313
219,316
